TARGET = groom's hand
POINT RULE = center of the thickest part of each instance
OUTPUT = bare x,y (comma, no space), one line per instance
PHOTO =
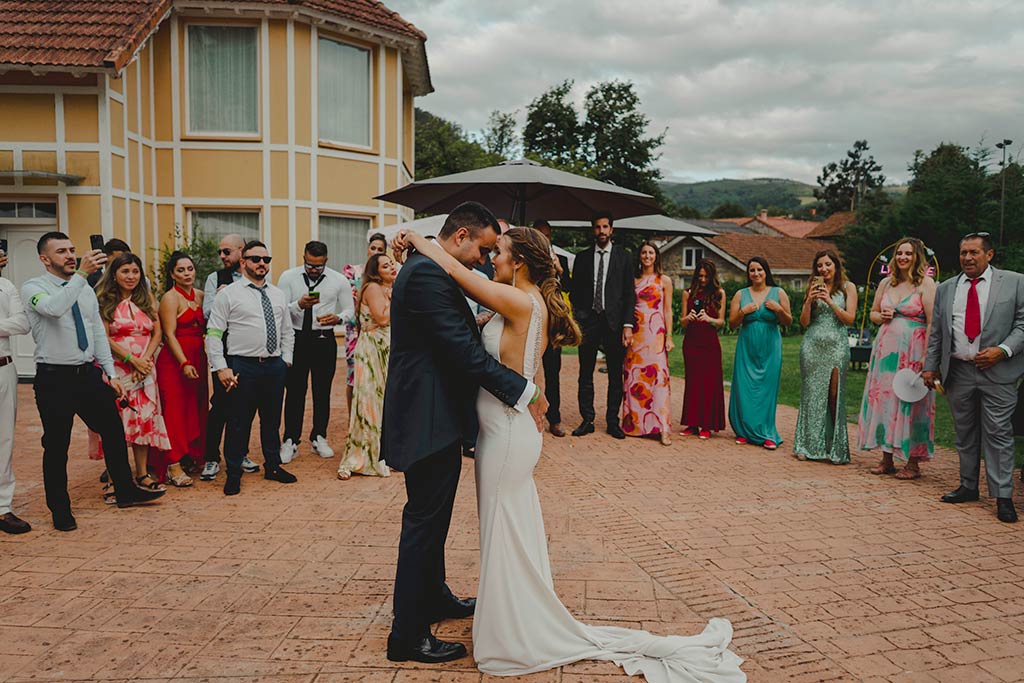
538,409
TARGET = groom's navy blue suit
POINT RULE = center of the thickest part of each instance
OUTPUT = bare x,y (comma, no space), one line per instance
437,365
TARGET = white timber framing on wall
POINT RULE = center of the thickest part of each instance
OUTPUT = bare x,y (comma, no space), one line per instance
266,227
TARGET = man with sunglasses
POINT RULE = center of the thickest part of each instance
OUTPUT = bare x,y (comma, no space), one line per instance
319,298
230,253
253,315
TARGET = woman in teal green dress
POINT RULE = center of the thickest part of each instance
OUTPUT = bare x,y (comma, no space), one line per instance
829,307
758,310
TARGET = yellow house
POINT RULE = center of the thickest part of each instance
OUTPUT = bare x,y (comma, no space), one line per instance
143,119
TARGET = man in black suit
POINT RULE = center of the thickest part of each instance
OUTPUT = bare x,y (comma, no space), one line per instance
552,357
603,302
437,365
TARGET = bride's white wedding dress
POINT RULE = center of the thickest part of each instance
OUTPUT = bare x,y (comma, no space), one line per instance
520,625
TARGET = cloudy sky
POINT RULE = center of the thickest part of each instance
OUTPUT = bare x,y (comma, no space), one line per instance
745,88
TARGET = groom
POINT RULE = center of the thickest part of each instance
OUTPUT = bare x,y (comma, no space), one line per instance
436,367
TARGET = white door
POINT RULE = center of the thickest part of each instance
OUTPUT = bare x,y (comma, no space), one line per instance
23,264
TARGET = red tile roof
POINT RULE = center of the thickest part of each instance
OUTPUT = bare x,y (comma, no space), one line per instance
782,253
92,34
834,225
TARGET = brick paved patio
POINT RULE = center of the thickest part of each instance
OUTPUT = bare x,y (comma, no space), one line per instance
828,573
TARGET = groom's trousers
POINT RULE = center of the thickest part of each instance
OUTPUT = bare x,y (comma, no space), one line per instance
420,590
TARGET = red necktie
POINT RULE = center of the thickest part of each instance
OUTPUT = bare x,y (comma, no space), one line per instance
972,318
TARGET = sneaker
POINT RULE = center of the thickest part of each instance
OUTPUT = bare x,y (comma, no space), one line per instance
249,466
741,441
210,470
288,452
321,448
770,445
704,434
689,431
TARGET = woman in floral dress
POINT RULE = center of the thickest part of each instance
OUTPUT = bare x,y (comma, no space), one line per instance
354,273
903,311
129,313
373,304
646,391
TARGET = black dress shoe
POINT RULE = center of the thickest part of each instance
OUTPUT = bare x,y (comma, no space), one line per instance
455,609
428,650
616,432
65,522
585,428
12,524
139,496
233,485
279,475
960,495
1005,510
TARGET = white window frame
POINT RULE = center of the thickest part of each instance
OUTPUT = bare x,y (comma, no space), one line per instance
797,283
190,216
258,135
34,220
369,96
334,260
691,257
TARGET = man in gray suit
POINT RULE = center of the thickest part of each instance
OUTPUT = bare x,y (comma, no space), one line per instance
976,350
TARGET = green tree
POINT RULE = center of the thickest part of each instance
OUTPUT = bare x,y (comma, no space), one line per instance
858,177
684,211
442,147
729,210
500,137
552,134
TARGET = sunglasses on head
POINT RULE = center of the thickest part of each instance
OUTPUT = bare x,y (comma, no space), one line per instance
224,252
257,259
972,235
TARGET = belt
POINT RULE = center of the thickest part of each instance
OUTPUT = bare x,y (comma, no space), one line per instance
6,360
65,369
257,359
316,334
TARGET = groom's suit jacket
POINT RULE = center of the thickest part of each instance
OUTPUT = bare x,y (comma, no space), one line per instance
437,365
1002,322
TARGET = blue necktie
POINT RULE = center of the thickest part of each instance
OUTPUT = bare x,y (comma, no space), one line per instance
76,313
268,317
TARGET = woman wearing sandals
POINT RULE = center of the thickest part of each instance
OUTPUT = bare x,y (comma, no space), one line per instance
830,305
181,371
133,328
903,311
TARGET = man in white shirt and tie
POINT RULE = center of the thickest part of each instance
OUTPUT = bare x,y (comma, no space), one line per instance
72,355
12,322
253,314
319,298
976,351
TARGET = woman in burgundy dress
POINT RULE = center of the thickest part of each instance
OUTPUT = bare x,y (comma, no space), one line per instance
703,315
181,370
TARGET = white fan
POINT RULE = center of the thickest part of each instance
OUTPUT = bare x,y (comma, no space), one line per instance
908,386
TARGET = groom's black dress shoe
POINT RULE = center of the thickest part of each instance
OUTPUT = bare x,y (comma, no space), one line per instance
455,609
428,650
586,428
616,432
961,495
1005,510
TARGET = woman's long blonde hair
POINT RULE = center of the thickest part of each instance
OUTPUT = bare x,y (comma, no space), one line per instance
919,267
530,247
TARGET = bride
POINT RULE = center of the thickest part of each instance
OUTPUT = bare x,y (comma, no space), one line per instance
521,626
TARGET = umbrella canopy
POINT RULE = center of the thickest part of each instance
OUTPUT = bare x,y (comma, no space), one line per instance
655,223
523,191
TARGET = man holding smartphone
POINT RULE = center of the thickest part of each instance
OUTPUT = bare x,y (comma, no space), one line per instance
318,299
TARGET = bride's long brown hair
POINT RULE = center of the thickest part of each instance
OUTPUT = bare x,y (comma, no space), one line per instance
533,249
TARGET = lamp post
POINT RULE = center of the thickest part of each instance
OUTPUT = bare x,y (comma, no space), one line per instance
1002,194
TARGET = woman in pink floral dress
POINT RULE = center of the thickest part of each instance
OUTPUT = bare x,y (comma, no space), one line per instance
133,328
645,396
903,310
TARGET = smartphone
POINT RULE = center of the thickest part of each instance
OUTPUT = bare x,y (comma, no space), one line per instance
224,277
3,246
96,241
314,295
696,306
817,281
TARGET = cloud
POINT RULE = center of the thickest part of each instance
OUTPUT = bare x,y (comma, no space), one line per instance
745,88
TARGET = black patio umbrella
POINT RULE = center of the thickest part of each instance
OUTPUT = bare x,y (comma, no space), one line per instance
523,191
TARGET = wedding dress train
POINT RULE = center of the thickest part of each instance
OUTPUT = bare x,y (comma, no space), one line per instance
521,626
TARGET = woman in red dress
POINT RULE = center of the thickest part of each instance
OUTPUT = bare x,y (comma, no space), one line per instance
703,315
181,370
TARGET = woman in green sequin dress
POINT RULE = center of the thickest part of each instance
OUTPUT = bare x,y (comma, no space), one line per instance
829,307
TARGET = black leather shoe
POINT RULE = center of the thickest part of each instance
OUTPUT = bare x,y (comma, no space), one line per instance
616,432
585,428
428,650
12,524
455,609
65,523
233,485
280,475
961,495
139,496
1005,510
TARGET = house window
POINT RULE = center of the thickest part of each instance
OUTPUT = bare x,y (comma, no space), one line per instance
691,256
223,80
345,238
344,93
797,283
46,210
215,224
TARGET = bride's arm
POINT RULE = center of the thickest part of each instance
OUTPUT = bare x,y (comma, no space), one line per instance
511,303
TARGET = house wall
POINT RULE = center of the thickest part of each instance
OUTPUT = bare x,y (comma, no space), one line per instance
143,173
672,263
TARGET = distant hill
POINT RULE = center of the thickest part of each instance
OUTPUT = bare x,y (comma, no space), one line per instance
751,194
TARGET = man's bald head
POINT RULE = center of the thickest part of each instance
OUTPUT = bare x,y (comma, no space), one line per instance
230,250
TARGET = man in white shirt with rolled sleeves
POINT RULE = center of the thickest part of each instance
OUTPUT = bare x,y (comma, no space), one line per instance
12,322
253,315
319,298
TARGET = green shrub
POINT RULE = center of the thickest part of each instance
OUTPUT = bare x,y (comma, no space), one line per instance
202,249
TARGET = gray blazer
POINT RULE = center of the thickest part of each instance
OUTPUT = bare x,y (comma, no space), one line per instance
1003,324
